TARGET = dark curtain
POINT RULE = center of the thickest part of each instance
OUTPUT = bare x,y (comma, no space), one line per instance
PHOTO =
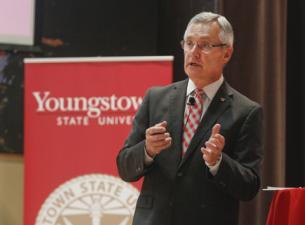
258,69
295,132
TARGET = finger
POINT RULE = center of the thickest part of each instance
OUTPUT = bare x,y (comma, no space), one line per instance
158,137
155,130
205,150
209,156
206,155
220,138
168,142
216,142
162,124
157,142
211,146
165,142
161,145
219,141
208,152
216,129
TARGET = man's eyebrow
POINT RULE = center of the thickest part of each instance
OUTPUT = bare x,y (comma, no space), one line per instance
203,38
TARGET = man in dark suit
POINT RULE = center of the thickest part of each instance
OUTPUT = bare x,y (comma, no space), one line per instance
195,174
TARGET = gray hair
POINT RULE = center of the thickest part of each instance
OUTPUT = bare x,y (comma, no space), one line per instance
226,34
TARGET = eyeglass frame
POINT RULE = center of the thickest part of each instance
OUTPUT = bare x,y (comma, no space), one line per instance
203,48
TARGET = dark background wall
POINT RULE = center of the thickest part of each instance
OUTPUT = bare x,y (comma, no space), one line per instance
103,28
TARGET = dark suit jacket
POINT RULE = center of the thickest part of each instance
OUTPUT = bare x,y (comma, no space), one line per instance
179,191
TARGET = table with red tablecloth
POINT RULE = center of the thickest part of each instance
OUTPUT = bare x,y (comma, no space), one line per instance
287,207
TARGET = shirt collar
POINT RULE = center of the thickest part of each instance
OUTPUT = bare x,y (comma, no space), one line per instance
209,90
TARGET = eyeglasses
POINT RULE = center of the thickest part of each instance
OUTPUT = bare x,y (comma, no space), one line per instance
203,46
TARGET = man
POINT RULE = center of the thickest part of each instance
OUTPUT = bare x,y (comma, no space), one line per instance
197,142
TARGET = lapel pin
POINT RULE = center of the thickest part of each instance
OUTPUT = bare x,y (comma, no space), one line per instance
222,99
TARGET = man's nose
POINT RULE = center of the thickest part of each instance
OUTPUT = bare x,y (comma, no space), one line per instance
195,50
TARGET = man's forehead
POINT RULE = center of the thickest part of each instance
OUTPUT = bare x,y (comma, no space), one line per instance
202,31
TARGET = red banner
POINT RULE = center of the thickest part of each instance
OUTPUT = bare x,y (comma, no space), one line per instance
78,113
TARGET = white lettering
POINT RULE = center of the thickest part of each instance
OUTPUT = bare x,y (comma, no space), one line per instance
40,100
112,103
93,106
124,101
115,120
51,212
72,121
52,104
136,102
131,200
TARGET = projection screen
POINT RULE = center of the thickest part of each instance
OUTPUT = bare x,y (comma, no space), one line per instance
17,22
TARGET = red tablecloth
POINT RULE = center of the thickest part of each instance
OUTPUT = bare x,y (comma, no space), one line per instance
287,207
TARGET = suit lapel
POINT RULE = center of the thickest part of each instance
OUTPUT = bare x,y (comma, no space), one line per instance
220,103
176,109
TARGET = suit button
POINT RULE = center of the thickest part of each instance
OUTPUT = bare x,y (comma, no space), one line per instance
171,204
180,174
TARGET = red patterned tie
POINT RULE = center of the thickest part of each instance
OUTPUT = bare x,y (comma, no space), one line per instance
192,117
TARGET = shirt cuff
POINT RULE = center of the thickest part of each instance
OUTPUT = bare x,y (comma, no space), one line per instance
214,169
147,159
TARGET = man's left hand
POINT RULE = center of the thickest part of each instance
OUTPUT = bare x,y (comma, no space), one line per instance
213,147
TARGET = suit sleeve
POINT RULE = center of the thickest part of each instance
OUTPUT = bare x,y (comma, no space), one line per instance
130,160
238,173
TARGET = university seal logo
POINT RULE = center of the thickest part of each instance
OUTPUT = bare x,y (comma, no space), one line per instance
90,200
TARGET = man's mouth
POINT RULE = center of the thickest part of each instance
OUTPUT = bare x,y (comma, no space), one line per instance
194,64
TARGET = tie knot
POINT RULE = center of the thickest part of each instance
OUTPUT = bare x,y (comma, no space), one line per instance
199,92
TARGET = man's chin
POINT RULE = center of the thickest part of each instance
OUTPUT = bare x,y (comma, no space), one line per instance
195,73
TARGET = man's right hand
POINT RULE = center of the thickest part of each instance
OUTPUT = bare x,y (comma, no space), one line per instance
157,139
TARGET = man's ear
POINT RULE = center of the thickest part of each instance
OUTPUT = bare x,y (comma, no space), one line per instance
228,54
